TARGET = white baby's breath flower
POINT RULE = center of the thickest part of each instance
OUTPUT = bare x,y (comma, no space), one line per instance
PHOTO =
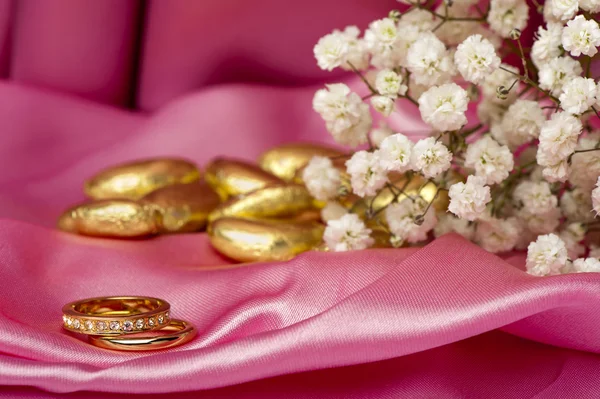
596,197
430,157
576,205
338,48
429,61
522,122
558,136
564,10
555,169
572,235
408,220
587,265
499,78
454,32
443,107
348,233
592,6
489,159
581,36
422,19
498,235
367,174
358,53
547,44
331,50
506,15
384,43
383,104
578,95
321,178
546,256
389,83
536,197
468,200
395,152
380,133
555,73
539,222
346,116
448,223
332,210
585,166
476,59
491,113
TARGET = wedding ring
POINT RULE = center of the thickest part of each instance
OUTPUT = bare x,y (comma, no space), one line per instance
116,315
178,332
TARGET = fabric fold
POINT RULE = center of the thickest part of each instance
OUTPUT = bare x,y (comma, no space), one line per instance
261,320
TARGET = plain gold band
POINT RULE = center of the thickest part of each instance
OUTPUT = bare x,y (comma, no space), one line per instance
116,315
178,332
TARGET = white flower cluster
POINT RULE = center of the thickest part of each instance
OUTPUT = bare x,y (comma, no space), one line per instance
522,172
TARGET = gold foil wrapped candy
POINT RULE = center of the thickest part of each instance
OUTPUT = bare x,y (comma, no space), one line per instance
270,202
286,160
110,218
248,240
230,177
183,207
133,180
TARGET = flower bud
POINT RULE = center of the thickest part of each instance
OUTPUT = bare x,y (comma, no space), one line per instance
515,34
395,15
419,219
502,92
396,241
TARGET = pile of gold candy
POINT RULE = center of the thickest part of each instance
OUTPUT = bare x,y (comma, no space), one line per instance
251,212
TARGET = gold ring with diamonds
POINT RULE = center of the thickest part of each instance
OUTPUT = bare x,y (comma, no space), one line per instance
176,333
116,315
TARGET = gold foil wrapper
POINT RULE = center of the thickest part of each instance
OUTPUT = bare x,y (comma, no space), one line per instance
230,177
183,207
269,202
110,218
418,185
286,160
247,240
135,179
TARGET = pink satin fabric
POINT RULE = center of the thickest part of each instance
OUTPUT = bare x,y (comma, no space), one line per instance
445,321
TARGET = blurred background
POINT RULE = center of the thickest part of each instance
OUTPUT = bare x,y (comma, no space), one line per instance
143,53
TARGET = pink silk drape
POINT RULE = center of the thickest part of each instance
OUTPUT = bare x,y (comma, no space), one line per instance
209,78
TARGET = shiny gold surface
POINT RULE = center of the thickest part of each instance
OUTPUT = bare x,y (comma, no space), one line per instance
178,332
183,207
261,240
418,185
110,218
268,202
84,316
230,177
135,179
286,160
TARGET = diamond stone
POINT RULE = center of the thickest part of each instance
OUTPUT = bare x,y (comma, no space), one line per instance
139,324
76,324
101,325
89,325
167,316
151,322
114,325
161,318
128,325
